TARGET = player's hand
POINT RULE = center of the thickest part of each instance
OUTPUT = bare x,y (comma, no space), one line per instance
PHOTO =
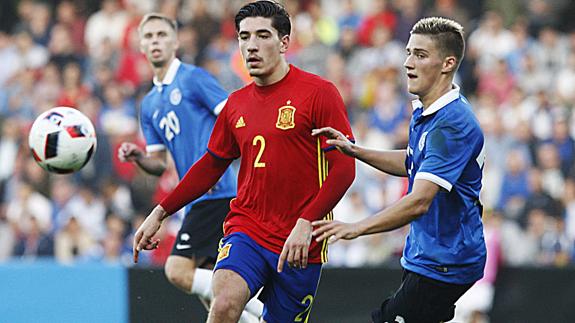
334,230
337,139
129,152
296,247
143,237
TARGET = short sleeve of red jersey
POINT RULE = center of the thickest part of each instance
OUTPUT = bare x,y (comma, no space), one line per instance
223,143
329,111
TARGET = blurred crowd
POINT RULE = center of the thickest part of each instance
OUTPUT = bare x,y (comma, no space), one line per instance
519,74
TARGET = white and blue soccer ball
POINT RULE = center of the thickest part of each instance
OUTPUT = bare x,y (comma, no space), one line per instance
62,140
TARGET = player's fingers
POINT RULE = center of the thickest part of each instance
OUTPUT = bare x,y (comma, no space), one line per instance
329,231
296,261
151,245
321,228
333,238
282,259
339,144
304,256
143,242
323,236
320,222
327,132
137,238
290,256
320,131
136,251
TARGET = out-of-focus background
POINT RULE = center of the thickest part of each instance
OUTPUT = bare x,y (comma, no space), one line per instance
71,235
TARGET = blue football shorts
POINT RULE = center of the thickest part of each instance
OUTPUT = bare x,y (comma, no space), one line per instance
287,296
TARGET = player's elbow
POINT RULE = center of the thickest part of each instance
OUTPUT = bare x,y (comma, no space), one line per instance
342,167
348,172
420,204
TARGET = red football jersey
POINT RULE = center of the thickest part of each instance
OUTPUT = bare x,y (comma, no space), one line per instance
282,164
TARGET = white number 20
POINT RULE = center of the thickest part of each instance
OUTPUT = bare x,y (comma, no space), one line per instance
171,125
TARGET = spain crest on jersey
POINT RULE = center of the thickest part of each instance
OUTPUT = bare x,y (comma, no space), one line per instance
286,117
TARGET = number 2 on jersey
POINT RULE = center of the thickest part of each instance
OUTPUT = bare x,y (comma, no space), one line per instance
171,125
259,139
304,316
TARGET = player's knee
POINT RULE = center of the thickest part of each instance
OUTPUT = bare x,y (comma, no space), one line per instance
224,305
179,276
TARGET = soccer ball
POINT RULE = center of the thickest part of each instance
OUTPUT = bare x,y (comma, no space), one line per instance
62,140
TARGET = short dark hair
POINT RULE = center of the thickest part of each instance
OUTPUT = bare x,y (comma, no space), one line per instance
446,33
267,9
159,16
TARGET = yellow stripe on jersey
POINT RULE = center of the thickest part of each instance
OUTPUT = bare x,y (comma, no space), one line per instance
322,167
319,162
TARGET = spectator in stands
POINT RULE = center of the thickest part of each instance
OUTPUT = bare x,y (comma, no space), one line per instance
107,24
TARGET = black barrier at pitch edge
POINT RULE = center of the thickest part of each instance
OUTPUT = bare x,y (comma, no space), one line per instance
522,295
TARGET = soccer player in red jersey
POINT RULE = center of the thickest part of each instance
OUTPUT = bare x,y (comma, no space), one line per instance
287,177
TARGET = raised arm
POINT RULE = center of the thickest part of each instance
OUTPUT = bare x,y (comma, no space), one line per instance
388,161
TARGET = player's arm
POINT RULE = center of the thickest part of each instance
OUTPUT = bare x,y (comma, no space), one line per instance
388,161
340,176
154,163
202,176
400,213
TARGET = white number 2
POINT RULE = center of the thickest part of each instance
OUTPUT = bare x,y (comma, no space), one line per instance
171,125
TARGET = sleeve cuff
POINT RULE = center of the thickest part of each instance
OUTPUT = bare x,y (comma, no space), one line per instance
218,156
154,148
219,107
434,179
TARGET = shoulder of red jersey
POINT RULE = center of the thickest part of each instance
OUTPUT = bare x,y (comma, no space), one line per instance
241,92
314,81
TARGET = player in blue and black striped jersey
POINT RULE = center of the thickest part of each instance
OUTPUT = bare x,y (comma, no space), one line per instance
445,253
178,115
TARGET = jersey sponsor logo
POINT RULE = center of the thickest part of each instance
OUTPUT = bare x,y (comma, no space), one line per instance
286,117
241,123
175,96
180,246
224,252
422,141
184,237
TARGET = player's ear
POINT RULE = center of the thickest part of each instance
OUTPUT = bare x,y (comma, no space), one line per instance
449,65
284,44
141,43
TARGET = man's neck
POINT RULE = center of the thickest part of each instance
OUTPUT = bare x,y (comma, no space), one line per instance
161,71
279,73
444,86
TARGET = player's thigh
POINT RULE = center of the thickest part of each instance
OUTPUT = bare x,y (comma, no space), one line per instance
289,296
420,299
201,232
229,284
243,256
